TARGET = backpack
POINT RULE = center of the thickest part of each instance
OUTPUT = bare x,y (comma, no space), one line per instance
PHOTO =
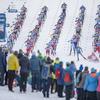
45,72
57,73
67,78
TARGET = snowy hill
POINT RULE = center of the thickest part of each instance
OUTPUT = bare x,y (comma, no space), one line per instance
68,30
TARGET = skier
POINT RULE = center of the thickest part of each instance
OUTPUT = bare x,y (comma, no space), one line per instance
47,50
79,52
82,8
74,42
64,6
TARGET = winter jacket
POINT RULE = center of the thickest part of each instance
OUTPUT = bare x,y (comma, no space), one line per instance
34,63
53,76
45,73
91,82
60,80
98,87
20,55
49,64
56,65
73,68
2,60
13,62
24,64
98,74
82,81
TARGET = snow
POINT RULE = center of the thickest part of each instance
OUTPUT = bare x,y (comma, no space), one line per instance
6,95
34,8
54,6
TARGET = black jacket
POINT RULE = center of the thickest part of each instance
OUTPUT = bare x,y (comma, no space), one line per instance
24,64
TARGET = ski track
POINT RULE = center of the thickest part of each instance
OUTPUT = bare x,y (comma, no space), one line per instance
52,17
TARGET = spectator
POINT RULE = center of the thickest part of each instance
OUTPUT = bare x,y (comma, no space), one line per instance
91,85
13,65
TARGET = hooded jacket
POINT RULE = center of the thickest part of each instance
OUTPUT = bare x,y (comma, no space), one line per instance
91,82
13,62
60,80
24,64
34,63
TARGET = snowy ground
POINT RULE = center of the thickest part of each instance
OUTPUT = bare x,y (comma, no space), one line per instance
6,95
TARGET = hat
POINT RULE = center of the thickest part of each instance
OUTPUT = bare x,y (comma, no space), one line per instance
86,68
93,70
81,67
15,53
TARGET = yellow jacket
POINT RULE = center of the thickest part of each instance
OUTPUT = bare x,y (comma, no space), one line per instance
53,76
13,63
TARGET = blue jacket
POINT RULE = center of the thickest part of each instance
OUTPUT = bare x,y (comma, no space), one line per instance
91,83
34,63
72,68
98,74
60,81
56,65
